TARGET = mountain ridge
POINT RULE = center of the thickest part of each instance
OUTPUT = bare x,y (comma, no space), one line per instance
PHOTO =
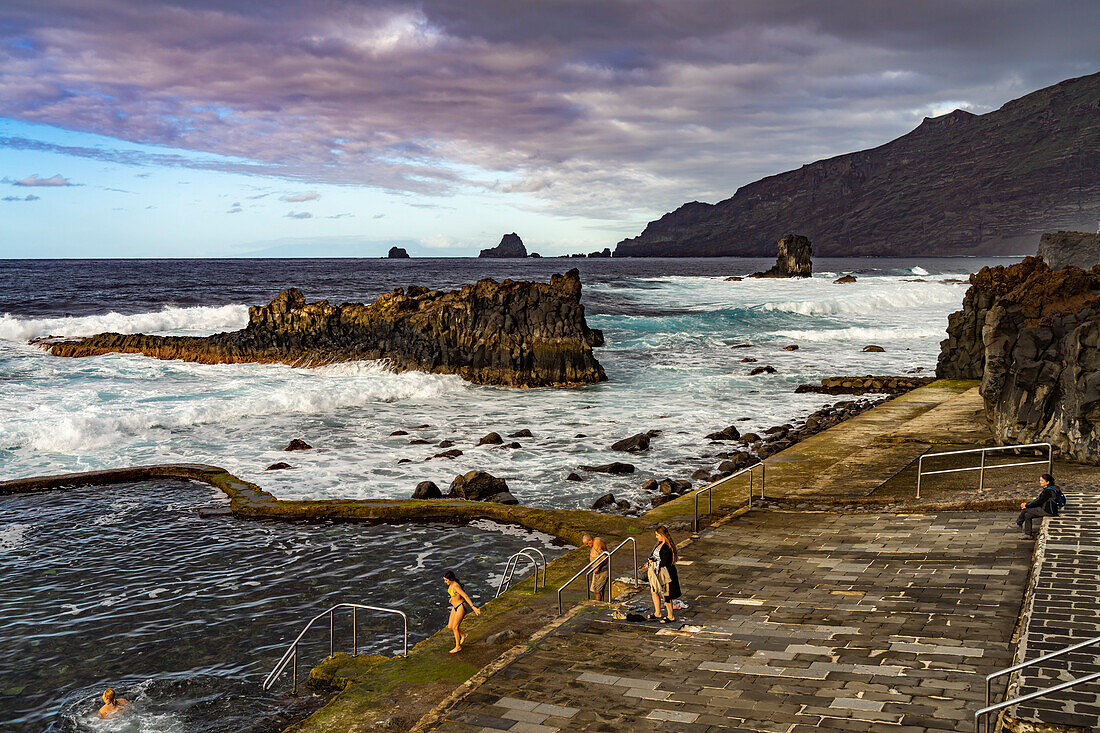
957,184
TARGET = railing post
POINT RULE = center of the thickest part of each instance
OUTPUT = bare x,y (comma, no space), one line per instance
294,672
332,632
634,547
763,476
354,631
610,575
1050,458
981,476
920,469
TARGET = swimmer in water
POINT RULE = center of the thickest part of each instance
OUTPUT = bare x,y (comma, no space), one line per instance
112,705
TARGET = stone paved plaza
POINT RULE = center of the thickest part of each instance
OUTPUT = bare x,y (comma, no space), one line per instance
797,622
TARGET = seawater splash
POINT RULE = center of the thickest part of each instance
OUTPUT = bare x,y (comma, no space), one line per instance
200,320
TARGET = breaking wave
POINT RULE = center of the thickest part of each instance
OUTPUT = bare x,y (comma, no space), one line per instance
192,321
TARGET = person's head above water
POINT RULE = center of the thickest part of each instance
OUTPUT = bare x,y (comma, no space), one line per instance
1046,480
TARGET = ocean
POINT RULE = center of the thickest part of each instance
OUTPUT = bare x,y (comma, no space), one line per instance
669,326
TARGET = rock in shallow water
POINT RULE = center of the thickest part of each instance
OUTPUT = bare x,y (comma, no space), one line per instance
633,444
612,468
278,466
298,444
481,486
427,490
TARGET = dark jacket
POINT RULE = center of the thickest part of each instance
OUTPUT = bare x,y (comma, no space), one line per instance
674,580
1045,500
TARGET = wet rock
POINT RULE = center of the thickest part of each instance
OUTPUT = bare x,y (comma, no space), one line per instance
399,432
741,346
794,258
427,490
580,435
762,370
611,468
574,477
748,360
513,445
865,385
749,438
845,279
425,426
681,485
452,453
419,441
604,501
871,348
502,636
525,433
702,474
504,497
298,444
445,444
649,486
661,499
728,433
791,347
634,444
734,279
736,462
278,467
623,504
477,486
491,439
513,333
777,430
404,460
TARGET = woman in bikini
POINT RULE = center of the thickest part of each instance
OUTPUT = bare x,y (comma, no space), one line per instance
458,599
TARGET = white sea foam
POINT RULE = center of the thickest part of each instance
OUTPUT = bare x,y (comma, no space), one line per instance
197,320
12,536
863,334
867,301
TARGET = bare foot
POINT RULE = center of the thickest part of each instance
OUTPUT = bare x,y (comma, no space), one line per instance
456,650
464,638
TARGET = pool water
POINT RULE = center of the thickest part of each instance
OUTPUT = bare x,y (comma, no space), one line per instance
128,586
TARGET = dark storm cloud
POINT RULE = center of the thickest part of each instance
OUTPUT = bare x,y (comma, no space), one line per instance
587,108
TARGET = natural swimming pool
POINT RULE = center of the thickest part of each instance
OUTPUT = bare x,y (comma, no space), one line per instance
129,586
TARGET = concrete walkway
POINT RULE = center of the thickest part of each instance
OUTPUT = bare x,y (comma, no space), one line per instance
1064,609
797,621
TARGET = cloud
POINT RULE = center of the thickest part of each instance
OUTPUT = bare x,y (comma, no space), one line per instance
299,215
34,180
378,216
340,216
28,197
301,197
610,110
235,208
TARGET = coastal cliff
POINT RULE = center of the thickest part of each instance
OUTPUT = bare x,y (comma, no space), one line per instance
957,184
1062,249
1032,335
512,333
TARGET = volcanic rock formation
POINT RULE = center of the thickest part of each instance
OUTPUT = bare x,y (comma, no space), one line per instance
1062,249
510,246
1033,337
398,253
957,184
793,260
520,334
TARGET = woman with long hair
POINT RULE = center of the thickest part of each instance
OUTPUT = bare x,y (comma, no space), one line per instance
664,583
457,599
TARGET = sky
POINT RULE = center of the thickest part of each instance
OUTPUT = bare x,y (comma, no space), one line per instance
249,128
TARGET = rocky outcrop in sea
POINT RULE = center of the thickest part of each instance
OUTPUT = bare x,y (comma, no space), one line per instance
511,246
398,253
1032,335
512,333
794,258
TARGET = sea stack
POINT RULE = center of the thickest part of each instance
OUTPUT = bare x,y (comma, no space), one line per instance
794,258
1032,335
398,253
511,333
511,246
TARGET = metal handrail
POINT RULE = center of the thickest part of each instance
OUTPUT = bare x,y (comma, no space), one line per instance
1093,677
594,565
513,565
1016,668
292,651
983,468
710,497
